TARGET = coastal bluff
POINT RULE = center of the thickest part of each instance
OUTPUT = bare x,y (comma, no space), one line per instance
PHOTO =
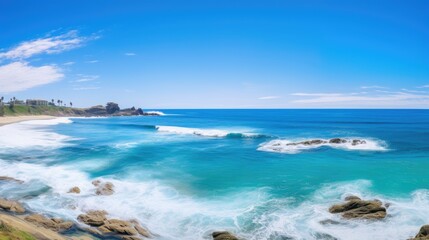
109,110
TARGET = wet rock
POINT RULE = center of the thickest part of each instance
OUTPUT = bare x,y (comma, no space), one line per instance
358,142
423,233
142,231
337,140
54,224
105,189
131,238
11,179
118,226
352,197
360,209
93,218
313,142
223,236
12,206
74,190
96,182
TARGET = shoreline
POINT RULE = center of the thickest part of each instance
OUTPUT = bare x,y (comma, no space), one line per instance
16,119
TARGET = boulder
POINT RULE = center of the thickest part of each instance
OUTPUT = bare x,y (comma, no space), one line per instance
223,236
105,189
11,206
337,140
74,190
423,233
118,226
93,218
11,179
54,224
360,209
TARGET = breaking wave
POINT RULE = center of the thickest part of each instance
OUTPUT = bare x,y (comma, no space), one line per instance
208,132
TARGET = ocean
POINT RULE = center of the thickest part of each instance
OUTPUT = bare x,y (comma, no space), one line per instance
188,173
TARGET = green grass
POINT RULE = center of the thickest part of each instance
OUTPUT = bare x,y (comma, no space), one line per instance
22,110
9,233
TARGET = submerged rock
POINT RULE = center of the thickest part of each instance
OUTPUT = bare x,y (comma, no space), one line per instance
11,179
74,190
356,208
54,224
93,218
105,189
423,233
223,236
12,206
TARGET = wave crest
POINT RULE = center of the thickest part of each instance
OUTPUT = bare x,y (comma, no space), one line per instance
207,132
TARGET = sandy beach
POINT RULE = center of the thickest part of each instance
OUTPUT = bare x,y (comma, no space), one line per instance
15,119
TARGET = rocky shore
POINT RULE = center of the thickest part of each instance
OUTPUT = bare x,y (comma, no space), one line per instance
18,223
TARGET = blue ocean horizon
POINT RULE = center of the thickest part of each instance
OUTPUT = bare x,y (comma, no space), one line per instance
193,171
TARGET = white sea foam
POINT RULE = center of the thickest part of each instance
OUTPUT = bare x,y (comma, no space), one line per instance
156,112
251,214
33,134
204,132
294,147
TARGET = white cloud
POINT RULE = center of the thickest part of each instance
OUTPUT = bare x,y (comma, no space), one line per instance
86,78
47,45
85,88
130,54
19,76
268,97
68,63
377,98
424,86
92,61
373,87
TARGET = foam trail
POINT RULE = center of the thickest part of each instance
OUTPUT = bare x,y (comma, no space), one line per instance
294,147
33,134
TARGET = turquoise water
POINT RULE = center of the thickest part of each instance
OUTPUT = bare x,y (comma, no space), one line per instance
190,172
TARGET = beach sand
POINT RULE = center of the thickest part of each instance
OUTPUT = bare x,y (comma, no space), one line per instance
15,119
20,224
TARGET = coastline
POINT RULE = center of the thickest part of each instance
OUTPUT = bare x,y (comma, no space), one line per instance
15,119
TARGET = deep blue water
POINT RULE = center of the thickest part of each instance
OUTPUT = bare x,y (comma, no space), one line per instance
194,171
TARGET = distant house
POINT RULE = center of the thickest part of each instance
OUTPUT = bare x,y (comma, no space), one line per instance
36,102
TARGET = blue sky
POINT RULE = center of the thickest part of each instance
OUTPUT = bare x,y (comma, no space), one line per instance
217,54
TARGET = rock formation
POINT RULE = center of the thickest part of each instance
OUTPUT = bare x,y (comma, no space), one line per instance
423,233
357,208
223,236
124,229
54,224
11,206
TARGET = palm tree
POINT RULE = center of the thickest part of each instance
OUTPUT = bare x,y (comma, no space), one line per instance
71,104
58,102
